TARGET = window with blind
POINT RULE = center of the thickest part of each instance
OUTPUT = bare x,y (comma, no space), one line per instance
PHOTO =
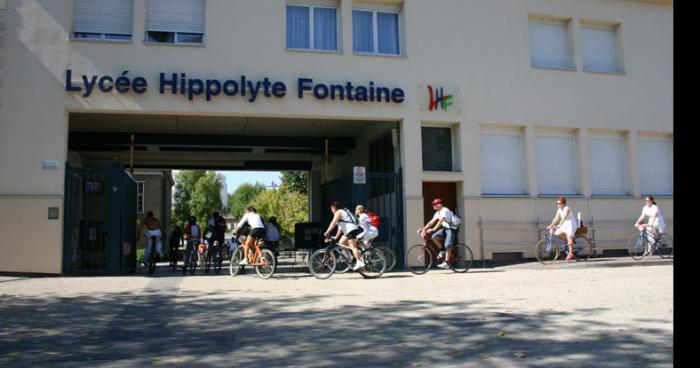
549,43
312,27
656,165
600,49
502,163
180,22
375,32
103,20
556,164
437,149
140,196
608,168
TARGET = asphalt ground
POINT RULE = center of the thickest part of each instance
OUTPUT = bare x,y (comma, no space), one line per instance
604,312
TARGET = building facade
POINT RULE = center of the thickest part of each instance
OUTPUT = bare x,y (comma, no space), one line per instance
497,106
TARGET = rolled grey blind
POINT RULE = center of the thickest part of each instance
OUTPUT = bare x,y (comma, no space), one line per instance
185,16
599,49
549,45
656,165
501,164
556,165
103,16
608,169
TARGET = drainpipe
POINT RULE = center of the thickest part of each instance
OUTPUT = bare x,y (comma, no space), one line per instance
325,165
131,154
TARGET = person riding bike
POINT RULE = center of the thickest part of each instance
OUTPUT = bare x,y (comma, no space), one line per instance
441,228
217,226
192,234
565,225
174,244
369,232
257,230
153,228
655,224
349,228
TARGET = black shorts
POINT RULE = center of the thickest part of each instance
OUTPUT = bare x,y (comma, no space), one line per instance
353,234
257,233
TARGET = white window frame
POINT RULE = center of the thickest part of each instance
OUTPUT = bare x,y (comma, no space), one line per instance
375,32
175,33
558,21
505,131
626,189
142,195
311,26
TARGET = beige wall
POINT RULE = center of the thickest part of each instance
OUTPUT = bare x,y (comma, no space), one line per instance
481,46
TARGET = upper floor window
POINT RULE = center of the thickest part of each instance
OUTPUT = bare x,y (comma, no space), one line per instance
601,51
140,196
550,42
180,22
312,27
103,19
375,32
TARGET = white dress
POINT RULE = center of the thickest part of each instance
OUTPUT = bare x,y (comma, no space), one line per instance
659,223
570,225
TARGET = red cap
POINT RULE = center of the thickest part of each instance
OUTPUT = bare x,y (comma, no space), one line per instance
437,200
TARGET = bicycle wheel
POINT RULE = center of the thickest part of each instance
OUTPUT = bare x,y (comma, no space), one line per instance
375,264
419,259
665,246
321,264
234,267
192,262
546,252
636,247
462,258
152,262
341,263
582,247
269,264
217,261
390,257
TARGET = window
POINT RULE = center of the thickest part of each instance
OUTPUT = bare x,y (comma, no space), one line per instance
608,169
656,165
375,32
312,28
549,43
140,190
556,164
502,163
103,20
437,149
600,50
180,22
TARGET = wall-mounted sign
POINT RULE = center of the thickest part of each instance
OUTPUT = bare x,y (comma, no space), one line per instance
53,213
358,175
49,165
439,98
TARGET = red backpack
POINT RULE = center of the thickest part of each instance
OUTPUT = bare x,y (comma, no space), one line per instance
374,220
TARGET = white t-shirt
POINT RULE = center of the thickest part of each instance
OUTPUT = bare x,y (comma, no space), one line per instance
346,224
649,213
272,232
370,231
252,219
447,215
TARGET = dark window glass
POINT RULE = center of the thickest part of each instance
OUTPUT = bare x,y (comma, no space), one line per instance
161,37
437,149
190,38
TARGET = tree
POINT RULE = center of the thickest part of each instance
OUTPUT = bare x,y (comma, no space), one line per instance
288,207
198,194
243,196
296,181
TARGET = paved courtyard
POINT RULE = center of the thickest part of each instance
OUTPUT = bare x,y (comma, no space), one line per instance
607,312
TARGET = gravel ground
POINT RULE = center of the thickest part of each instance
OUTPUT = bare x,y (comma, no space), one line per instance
607,312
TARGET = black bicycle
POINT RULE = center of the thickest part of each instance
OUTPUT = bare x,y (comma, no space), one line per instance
152,256
323,262
215,257
189,258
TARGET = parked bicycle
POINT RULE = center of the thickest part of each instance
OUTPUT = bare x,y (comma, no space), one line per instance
262,259
324,262
550,248
640,246
421,257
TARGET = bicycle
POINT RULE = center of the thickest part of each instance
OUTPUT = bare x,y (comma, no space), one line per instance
421,257
152,256
202,258
323,262
262,259
549,249
388,253
215,257
173,257
190,258
640,246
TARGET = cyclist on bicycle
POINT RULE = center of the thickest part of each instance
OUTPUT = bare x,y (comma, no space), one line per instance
566,228
174,243
441,227
153,228
349,228
217,226
192,235
257,230
655,224
369,232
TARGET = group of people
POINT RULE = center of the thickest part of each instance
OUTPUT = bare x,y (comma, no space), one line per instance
351,229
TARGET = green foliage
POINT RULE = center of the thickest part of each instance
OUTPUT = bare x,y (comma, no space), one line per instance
197,193
242,197
296,181
289,208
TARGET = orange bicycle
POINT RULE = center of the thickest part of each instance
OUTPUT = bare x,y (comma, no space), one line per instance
262,259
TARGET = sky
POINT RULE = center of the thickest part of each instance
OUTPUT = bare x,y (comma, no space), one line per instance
236,178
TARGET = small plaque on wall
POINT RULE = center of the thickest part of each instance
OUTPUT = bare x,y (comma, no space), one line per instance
53,213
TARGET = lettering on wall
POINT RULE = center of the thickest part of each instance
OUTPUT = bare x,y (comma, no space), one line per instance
442,98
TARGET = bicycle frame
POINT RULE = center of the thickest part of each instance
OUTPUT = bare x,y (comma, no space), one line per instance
257,253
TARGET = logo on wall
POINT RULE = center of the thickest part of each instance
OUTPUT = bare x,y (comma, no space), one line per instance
439,98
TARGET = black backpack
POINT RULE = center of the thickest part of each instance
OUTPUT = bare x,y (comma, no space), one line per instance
353,219
220,225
